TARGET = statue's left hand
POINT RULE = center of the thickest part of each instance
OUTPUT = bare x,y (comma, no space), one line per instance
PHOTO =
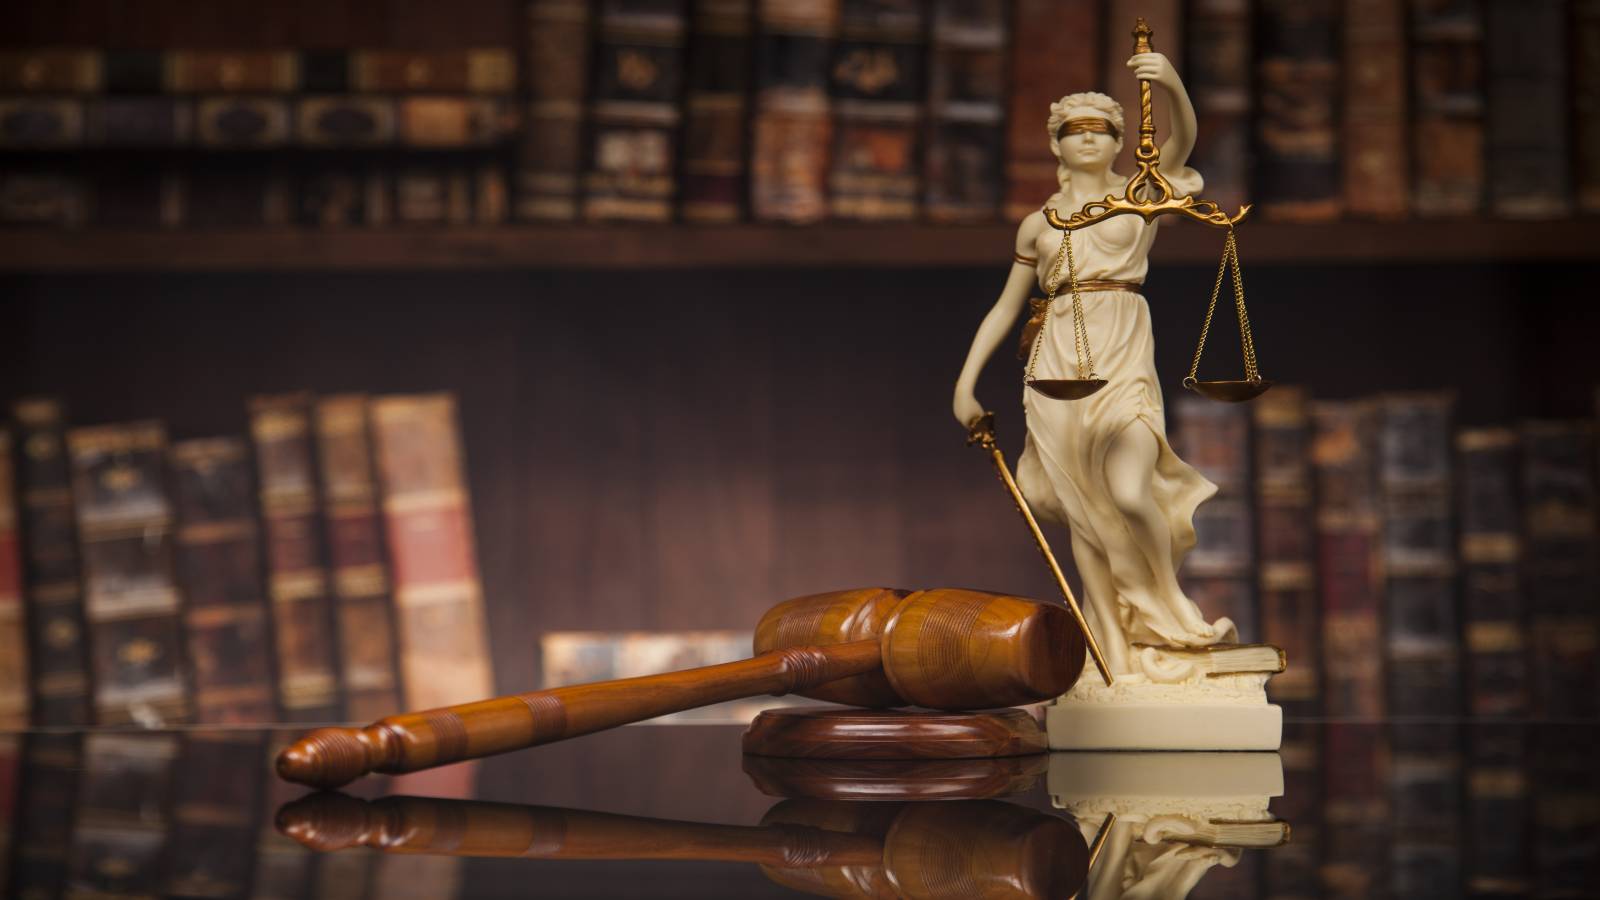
1154,67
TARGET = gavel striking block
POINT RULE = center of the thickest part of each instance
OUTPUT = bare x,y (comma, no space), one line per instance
948,648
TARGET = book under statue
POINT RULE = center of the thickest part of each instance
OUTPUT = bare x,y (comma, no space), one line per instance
1096,457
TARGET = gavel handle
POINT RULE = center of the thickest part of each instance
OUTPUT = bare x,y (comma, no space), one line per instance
332,757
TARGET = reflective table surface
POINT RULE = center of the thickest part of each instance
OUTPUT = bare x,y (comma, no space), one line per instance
1414,809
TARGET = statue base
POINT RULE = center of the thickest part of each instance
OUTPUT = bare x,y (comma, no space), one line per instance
1218,712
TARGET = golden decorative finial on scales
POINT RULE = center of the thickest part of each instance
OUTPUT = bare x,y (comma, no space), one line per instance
1149,194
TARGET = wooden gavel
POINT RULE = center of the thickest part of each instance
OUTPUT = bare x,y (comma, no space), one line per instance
946,649
959,848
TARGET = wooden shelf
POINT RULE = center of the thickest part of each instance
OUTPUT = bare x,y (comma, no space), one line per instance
684,246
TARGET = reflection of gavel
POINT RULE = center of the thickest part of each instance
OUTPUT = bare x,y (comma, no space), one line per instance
961,848
945,649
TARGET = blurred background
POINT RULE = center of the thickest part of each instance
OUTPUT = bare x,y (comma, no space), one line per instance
376,353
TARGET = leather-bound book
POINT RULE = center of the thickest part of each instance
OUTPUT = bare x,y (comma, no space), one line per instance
342,197
151,122
635,106
306,636
130,192
131,599
1166,20
1586,102
51,70
46,808
58,649
1375,154
339,121
242,122
41,123
126,71
223,192
124,819
1049,59
216,809
1422,660
1218,66
876,86
230,71
15,693
1298,175
716,100
473,70
1219,573
356,554
967,74
1286,545
1344,450
1530,163
792,126
426,121
433,192
444,653
1494,626
1561,565
49,197
1447,90
220,566
550,147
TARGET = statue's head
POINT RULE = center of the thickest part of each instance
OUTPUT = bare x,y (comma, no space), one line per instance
1085,133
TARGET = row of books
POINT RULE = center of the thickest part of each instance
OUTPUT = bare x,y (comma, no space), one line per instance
885,110
1406,567
321,570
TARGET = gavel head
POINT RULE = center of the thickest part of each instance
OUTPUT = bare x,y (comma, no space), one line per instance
947,648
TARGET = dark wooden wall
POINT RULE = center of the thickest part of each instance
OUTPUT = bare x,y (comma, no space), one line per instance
682,449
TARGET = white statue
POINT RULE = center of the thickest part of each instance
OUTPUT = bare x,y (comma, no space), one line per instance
1102,465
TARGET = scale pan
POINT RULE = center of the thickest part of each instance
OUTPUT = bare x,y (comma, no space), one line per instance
1229,391
1066,388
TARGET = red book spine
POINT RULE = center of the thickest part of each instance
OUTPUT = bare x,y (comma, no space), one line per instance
1049,59
13,634
1348,557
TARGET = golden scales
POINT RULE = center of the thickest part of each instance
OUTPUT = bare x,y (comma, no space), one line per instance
1148,195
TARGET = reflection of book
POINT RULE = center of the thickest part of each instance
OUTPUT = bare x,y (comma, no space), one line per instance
44,815
124,819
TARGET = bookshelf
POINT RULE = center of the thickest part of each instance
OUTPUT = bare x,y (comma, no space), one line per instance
738,246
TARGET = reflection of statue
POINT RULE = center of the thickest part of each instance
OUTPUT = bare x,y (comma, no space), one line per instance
1173,816
1102,465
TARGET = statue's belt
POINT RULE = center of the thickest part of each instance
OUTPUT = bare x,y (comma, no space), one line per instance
1038,305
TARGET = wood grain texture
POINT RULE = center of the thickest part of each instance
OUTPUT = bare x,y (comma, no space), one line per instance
896,779
893,734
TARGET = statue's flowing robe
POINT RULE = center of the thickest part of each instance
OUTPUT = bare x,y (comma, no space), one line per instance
1062,468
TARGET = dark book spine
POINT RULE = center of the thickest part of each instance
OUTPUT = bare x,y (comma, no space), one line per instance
550,150
49,197
15,696
792,125
1447,85
635,103
444,653
716,101
1566,793
329,121
355,550
1218,76
131,598
433,193
46,809
1297,79
876,93
1425,809
120,841
1562,566
1586,102
342,197
1494,616
57,633
48,70
478,70
141,122
307,646
130,194
1344,455
225,194
1219,573
1499,810
1049,59
42,123
219,560
1530,173
1355,829
1293,870
1286,546
1375,152
216,809
242,122
1422,663
967,71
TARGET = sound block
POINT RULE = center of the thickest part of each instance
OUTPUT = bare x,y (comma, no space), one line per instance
814,732
896,779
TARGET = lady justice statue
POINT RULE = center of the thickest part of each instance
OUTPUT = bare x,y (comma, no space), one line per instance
1102,464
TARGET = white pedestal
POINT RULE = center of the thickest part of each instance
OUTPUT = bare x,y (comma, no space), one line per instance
1228,712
